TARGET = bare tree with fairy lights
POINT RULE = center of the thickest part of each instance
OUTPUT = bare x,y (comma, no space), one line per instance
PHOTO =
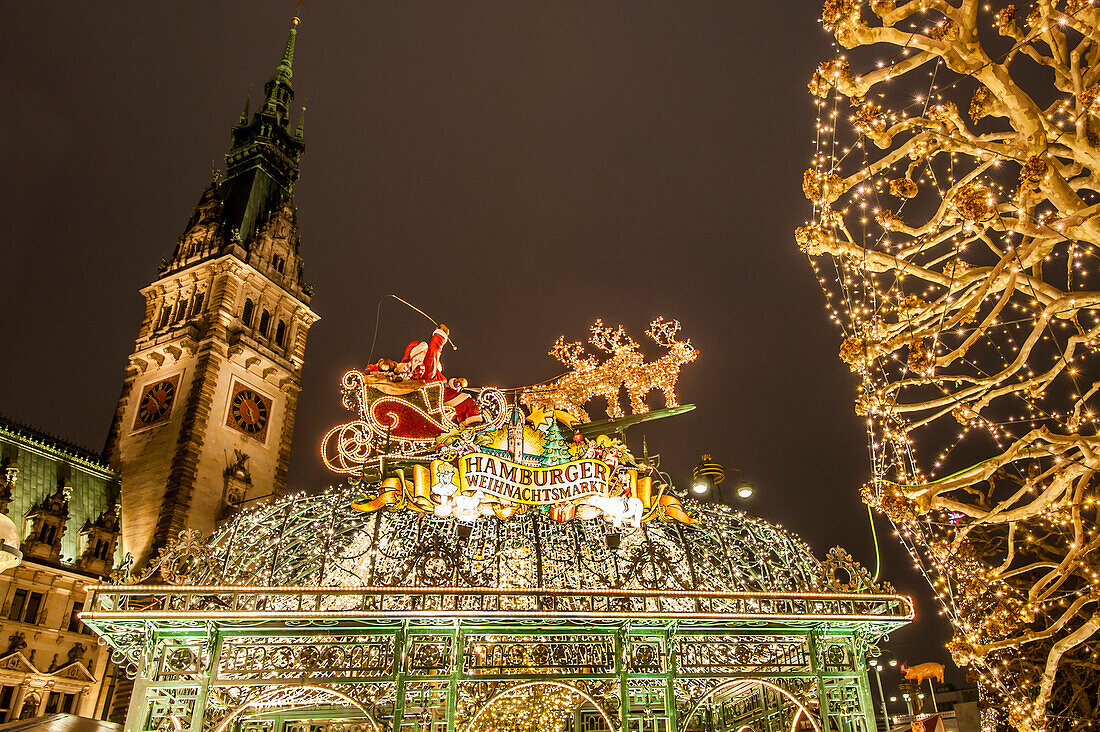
955,235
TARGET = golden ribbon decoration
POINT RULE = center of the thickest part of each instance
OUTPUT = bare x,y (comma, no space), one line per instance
395,493
661,504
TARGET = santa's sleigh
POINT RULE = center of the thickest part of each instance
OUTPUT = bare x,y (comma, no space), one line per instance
396,418
406,411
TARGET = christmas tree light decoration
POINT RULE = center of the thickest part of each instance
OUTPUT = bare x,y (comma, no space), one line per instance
955,236
555,451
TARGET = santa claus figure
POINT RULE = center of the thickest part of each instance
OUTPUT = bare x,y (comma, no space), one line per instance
422,362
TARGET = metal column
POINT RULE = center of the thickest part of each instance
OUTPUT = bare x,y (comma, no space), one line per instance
199,710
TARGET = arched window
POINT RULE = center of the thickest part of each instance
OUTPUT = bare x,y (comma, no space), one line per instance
277,262
196,304
280,332
265,319
246,316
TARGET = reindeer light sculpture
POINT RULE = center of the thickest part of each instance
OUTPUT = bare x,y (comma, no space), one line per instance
664,372
624,366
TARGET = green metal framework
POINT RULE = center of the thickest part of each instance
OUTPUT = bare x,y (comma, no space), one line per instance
304,614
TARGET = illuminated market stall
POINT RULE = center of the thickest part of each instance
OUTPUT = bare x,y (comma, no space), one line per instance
494,567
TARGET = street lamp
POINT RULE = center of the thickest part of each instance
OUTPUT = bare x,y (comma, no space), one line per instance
878,663
10,555
707,475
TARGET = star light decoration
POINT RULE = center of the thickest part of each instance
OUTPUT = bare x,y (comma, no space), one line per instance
955,234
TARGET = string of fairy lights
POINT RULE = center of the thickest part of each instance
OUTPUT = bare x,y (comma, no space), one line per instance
981,317
528,709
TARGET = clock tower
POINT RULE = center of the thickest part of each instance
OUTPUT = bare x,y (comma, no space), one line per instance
206,415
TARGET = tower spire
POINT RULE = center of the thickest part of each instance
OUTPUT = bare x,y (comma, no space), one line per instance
279,90
262,164
244,112
285,70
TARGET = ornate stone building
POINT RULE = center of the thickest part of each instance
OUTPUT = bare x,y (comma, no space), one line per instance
63,502
206,415
203,424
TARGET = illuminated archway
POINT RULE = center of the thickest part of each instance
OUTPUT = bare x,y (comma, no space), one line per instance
734,683
423,621
470,726
272,694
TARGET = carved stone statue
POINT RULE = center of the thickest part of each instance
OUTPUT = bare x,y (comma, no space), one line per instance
77,652
239,467
16,642
238,481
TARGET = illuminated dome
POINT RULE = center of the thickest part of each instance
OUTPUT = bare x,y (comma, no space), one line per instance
322,541
316,612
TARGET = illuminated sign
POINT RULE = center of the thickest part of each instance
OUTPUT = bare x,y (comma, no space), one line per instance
531,485
481,484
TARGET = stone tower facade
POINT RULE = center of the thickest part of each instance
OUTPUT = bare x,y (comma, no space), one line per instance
206,415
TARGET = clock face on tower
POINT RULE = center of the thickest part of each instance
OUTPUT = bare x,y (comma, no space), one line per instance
249,412
155,402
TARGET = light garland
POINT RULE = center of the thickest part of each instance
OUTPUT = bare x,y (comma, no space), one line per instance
337,548
422,590
956,242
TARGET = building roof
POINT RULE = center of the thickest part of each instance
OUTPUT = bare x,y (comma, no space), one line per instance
45,465
315,561
53,443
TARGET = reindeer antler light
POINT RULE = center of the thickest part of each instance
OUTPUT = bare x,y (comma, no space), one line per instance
571,354
663,332
611,341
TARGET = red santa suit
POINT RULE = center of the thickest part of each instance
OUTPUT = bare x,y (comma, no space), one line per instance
423,361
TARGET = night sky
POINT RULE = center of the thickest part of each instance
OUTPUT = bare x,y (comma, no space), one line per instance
516,169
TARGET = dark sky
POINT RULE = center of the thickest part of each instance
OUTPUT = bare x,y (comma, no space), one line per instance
515,168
